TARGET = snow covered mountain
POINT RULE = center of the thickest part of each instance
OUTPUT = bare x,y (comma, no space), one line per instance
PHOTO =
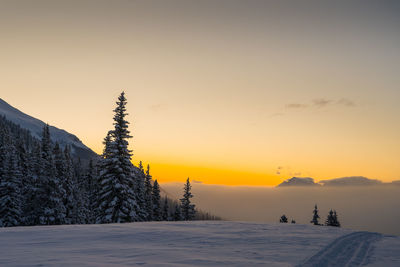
35,126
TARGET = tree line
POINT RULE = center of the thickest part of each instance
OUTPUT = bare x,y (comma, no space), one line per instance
41,183
331,220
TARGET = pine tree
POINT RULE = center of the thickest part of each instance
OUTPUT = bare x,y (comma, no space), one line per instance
34,193
315,216
10,188
69,184
148,194
329,219
53,211
117,201
91,191
23,162
157,216
165,212
81,195
177,213
283,219
335,219
332,220
188,209
140,192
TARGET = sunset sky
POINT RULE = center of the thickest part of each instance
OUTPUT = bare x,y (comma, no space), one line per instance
225,92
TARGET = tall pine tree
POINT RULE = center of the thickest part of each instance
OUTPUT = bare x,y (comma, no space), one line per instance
157,215
165,211
10,187
148,194
117,201
188,209
140,192
53,209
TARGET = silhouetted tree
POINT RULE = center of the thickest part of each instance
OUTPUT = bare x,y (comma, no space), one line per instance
157,216
188,209
165,212
148,194
283,219
177,213
315,216
332,220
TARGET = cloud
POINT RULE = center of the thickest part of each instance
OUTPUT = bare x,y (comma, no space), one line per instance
296,105
322,103
197,182
346,102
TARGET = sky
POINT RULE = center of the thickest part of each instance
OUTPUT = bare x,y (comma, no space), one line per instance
224,92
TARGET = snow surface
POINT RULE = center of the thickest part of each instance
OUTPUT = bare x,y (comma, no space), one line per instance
201,243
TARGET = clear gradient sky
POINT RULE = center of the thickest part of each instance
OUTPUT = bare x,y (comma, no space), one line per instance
226,92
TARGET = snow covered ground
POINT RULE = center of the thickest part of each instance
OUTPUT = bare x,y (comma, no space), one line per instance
203,243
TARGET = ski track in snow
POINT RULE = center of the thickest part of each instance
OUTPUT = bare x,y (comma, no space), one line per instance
354,249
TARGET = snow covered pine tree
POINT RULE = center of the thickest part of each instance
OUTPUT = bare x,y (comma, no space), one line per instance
148,194
165,211
117,202
10,183
188,211
51,194
157,216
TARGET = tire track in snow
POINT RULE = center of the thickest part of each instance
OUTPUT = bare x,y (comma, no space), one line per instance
353,249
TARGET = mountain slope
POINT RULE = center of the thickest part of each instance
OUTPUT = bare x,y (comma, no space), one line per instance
35,126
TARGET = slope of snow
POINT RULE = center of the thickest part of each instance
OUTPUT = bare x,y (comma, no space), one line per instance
212,243
35,126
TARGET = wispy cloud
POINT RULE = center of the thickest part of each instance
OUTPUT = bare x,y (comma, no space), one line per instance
322,103
296,106
346,102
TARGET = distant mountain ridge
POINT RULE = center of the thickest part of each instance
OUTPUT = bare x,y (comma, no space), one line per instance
353,181
343,181
35,126
299,181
